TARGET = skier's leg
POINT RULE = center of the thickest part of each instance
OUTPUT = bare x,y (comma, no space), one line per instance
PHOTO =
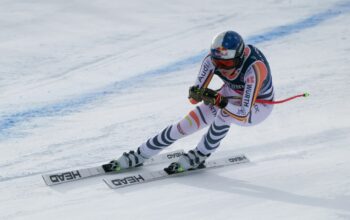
208,144
200,117
216,132
219,128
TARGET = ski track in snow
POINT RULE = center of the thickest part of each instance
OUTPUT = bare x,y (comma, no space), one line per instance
72,105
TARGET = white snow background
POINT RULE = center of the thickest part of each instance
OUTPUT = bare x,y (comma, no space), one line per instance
83,81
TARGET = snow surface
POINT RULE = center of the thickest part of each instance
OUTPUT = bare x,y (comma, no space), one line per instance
83,81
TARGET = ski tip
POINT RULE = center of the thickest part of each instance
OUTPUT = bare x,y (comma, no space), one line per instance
46,182
107,183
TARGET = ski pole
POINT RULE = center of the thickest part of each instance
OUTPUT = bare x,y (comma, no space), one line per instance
268,102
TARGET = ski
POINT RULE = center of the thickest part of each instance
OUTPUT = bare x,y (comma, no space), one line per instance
143,177
78,174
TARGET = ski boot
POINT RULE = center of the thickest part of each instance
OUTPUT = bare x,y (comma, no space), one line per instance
188,161
127,160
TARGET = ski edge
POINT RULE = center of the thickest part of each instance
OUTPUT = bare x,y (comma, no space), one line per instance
144,177
67,176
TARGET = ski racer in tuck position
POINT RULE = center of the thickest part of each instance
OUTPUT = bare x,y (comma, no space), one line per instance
247,77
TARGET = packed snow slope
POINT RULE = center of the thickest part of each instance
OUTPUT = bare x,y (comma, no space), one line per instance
83,81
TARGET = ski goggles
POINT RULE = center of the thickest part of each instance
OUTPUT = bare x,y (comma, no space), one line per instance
227,64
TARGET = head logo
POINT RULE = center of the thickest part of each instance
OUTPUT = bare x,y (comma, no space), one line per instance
128,180
62,177
237,159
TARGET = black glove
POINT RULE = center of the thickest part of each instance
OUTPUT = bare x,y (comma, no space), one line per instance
195,93
212,97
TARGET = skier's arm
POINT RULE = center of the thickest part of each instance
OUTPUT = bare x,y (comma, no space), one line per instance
204,77
253,79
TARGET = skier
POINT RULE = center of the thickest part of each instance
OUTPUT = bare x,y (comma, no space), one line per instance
246,77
